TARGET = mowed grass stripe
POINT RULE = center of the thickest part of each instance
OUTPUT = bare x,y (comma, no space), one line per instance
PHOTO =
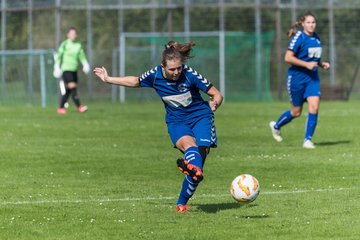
130,199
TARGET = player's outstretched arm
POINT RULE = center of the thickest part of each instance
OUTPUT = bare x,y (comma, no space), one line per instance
127,81
215,98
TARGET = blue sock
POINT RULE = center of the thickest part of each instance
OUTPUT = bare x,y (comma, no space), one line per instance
193,156
310,125
284,119
187,190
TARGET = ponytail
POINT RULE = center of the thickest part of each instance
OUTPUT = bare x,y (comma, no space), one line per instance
176,50
293,29
291,32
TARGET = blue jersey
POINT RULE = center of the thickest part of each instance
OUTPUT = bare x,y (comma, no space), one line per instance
306,48
182,98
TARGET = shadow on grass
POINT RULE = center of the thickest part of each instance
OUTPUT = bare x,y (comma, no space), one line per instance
214,208
332,143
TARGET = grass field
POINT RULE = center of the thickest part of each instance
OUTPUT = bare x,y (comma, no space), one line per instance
111,174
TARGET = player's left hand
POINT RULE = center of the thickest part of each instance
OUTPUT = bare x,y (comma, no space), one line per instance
325,65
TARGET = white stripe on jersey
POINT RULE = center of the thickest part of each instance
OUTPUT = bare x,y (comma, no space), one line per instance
199,76
288,84
147,73
213,132
293,41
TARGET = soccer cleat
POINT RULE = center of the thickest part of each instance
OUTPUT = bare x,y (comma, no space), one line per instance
308,144
82,109
182,209
61,111
191,170
275,132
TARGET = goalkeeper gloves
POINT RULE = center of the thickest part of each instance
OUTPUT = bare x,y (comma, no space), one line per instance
57,71
86,68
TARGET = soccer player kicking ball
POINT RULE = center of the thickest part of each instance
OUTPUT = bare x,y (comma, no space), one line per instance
190,119
303,82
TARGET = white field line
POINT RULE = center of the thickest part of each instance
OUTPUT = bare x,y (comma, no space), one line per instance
130,199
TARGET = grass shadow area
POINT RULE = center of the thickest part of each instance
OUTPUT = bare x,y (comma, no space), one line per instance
332,143
214,208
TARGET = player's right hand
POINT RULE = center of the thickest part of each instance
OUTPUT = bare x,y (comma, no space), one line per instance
57,71
101,73
311,65
213,104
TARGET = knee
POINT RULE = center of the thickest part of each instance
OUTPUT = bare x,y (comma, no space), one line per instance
313,109
71,85
185,143
296,113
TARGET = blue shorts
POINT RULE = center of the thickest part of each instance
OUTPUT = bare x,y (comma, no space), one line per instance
202,129
300,86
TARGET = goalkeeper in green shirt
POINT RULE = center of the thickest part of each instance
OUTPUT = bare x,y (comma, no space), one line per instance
66,64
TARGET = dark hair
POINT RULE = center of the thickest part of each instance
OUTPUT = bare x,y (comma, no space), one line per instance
72,28
291,32
176,50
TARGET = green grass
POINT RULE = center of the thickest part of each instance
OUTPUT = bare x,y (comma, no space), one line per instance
111,174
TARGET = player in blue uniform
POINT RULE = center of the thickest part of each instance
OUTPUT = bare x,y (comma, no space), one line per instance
303,82
190,119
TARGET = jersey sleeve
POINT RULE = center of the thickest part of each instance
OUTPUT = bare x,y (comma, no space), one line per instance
198,80
60,53
82,56
147,78
295,42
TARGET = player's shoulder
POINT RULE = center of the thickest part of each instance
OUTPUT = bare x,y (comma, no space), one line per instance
77,43
150,72
194,76
189,71
296,39
315,35
299,35
187,68
63,43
